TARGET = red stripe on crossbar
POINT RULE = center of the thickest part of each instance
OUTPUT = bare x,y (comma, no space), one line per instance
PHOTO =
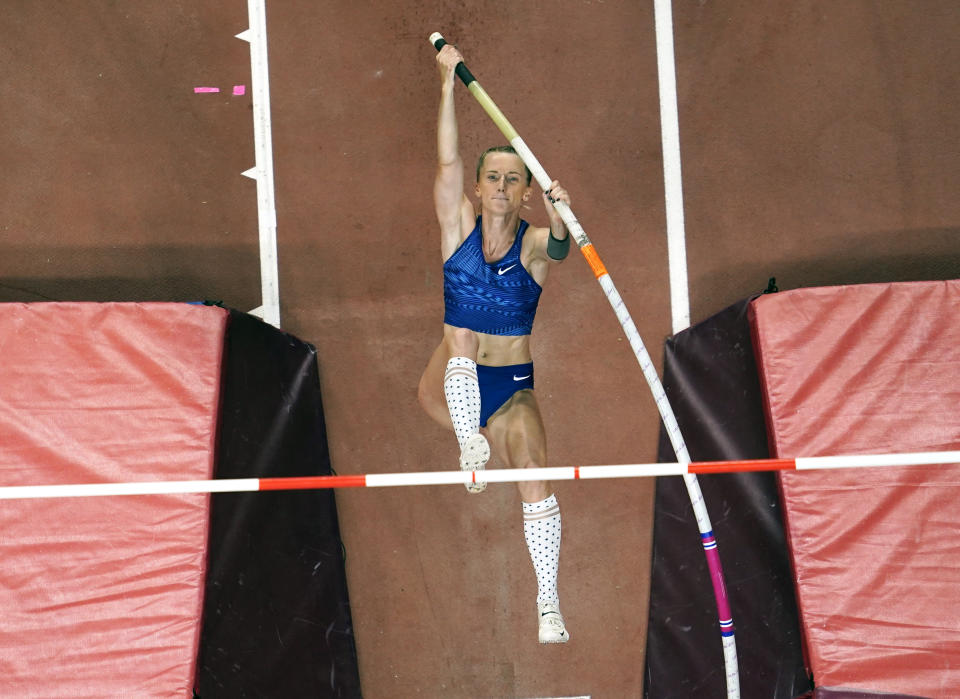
312,482
742,466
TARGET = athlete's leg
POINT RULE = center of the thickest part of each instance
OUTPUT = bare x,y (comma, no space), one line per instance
518,436
460,385
461,396
457,342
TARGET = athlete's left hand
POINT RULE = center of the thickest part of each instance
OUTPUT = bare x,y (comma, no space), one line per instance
555,193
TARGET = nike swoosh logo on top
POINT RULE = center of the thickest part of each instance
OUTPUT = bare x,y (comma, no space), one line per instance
504,271
520,378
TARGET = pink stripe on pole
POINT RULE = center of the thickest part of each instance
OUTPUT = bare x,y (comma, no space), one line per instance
720,589
202,90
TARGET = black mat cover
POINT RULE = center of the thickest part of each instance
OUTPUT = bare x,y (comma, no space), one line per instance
276,619
711,381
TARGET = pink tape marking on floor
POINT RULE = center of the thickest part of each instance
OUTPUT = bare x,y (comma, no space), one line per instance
239,89
200,90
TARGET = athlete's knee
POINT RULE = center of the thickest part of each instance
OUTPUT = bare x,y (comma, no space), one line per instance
463,342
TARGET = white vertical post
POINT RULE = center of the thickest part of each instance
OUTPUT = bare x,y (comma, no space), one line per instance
672,176
262,172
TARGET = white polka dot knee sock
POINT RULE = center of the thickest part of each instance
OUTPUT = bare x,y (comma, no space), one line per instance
541,529
462,390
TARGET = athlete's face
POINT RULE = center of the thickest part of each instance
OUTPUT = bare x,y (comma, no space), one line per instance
503,182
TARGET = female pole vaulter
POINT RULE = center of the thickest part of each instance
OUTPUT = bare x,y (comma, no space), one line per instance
481,374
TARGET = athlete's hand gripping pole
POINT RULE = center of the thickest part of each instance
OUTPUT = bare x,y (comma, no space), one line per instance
653,380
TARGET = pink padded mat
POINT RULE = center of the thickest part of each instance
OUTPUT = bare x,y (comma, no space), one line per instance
876,552
102,596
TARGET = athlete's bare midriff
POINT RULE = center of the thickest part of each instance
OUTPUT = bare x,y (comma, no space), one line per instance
498,350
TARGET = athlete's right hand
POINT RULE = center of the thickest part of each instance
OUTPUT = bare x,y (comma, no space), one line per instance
447,58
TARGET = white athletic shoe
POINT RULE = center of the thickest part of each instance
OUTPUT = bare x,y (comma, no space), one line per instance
552,628
473,457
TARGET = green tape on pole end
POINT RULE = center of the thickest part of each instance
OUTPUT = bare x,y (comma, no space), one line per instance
461,70
465,75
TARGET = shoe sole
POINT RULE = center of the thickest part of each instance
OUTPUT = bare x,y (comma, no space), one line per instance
475,455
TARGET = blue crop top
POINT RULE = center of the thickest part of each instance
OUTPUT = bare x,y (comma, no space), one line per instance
498,298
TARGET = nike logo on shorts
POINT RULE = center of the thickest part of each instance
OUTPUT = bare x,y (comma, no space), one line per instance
520,378
502,271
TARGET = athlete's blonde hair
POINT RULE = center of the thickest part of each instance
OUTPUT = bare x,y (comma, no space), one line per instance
501,149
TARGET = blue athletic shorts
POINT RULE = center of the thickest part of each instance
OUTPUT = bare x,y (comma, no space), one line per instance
498,384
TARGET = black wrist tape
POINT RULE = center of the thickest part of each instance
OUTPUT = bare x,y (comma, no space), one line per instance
558,249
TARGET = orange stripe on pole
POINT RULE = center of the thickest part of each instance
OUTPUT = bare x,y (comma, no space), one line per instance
742,466
593,259
313,482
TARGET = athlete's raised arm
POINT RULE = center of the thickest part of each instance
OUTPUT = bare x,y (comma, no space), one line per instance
454,211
